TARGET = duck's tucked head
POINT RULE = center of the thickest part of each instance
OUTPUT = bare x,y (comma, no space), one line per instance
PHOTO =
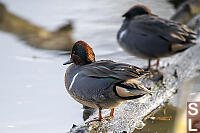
136,11
81,54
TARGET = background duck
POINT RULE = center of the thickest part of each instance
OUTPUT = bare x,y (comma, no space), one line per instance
148,36
102,84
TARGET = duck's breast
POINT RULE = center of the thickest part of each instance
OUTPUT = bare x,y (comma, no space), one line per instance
144,45
97,91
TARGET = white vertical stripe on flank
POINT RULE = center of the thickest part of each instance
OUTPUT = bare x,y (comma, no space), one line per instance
73,80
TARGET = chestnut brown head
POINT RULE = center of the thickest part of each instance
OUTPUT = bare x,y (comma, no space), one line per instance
81,54
136,11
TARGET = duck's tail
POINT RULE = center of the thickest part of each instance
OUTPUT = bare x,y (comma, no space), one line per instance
131,89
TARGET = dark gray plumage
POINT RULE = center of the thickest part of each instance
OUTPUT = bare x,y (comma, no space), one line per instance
95,81
147,36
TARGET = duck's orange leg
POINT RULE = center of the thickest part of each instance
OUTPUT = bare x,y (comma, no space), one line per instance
112,112
100,114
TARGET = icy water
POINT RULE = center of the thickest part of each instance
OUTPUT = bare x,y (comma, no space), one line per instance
33,98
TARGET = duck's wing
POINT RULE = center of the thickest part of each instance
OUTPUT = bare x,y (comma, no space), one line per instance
111,69
121,76
171,31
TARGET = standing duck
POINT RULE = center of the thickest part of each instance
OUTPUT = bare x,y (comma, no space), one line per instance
148,36
102,84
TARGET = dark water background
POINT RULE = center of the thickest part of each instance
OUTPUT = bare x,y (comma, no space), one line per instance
33,98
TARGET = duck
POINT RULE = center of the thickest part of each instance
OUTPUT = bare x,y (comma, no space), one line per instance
103,84
150,37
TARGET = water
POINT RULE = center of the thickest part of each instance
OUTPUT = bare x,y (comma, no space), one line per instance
32,93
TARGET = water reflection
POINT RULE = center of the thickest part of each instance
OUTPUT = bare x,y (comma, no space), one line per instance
161,122
33,35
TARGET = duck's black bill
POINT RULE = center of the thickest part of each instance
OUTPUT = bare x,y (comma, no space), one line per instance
68,62
125,14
